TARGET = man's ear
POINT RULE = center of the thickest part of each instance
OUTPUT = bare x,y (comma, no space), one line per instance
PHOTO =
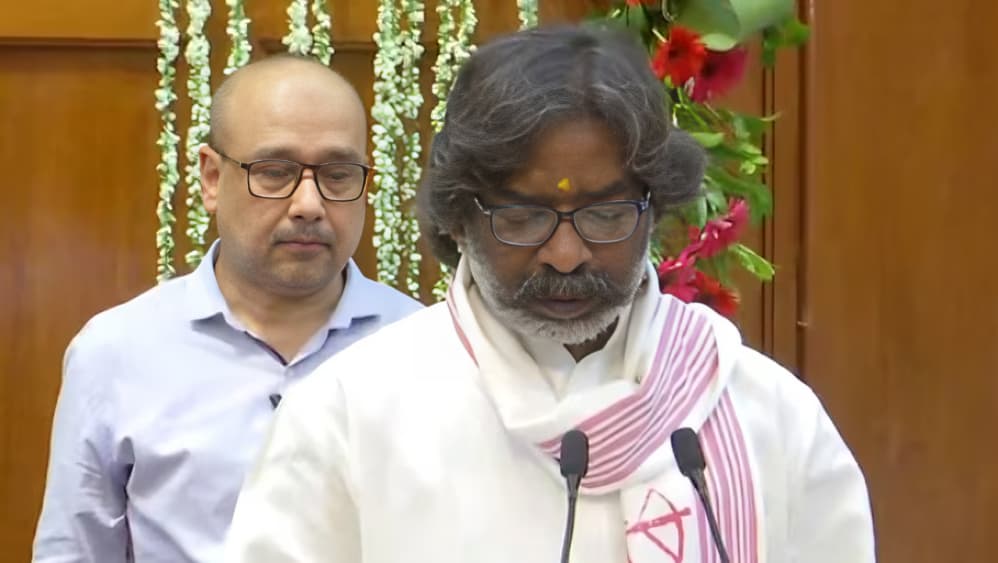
211,163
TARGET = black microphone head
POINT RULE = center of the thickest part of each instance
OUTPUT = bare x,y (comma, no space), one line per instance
686,448
574,454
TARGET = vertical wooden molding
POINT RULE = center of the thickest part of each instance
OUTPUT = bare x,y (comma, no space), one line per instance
785,92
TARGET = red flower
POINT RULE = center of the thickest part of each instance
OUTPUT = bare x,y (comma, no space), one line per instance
720,72
720,233
678,277
675,277
680,57
711,293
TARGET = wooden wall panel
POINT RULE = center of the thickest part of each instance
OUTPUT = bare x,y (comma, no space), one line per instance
77,224
94,20
901,282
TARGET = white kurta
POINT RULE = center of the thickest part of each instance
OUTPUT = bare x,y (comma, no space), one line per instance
400,449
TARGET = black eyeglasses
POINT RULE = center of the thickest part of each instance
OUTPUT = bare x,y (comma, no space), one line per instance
533,225
278,179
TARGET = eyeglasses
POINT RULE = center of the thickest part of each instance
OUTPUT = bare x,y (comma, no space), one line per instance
533,225
278,179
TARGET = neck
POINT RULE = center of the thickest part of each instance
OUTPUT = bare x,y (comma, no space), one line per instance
579,351
284,320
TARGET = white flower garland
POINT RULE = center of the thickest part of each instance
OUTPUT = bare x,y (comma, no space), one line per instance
316,41
199,91
397,100
453,47
299,38
322,45
527,10
169,176
386,129
412,167
237,29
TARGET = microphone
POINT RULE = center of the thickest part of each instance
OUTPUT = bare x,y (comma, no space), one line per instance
689,457
574,463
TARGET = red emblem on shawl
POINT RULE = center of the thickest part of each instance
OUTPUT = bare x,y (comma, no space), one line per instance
656,519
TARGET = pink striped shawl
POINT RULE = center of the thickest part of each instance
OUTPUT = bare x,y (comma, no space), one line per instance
625,434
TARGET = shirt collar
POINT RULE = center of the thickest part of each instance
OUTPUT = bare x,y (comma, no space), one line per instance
357,300
205,299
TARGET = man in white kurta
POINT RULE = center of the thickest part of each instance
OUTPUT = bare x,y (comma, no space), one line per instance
436,439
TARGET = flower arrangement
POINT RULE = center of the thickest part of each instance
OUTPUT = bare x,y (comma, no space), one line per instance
699,49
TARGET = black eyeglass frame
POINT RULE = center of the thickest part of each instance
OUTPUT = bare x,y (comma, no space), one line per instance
301,173
642,205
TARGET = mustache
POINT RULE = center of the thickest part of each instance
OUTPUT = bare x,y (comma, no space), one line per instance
548,283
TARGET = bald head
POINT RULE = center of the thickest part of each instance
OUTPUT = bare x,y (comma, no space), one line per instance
280,74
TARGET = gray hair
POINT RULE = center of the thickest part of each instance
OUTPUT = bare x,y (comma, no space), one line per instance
512,89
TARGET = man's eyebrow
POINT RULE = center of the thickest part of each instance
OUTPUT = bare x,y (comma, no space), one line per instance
287,153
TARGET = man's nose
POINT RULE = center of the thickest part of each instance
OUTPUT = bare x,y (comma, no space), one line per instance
565,251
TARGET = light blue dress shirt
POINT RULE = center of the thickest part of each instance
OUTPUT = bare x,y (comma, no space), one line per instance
164,403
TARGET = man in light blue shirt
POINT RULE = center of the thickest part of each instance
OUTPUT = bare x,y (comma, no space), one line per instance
166,399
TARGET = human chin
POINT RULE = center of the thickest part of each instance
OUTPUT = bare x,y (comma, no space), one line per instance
303,277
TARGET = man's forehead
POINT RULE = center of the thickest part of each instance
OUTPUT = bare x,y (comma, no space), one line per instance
290,94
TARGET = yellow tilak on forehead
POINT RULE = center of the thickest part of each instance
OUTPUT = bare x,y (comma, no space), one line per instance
564,184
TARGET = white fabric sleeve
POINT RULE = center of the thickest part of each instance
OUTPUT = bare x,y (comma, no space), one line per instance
83,511
296,504
830,515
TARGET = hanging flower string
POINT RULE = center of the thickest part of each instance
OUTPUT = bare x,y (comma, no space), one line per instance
411,102
169,176
237,28
527,10
299,38
387,128
453,47
199,91
322,44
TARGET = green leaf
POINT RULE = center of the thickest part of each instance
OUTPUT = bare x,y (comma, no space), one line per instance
747,148
725,152
717,41
695,212
709,18
756,15
716,201
755,264
795,33
636,19
791,32
708,140
757,194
